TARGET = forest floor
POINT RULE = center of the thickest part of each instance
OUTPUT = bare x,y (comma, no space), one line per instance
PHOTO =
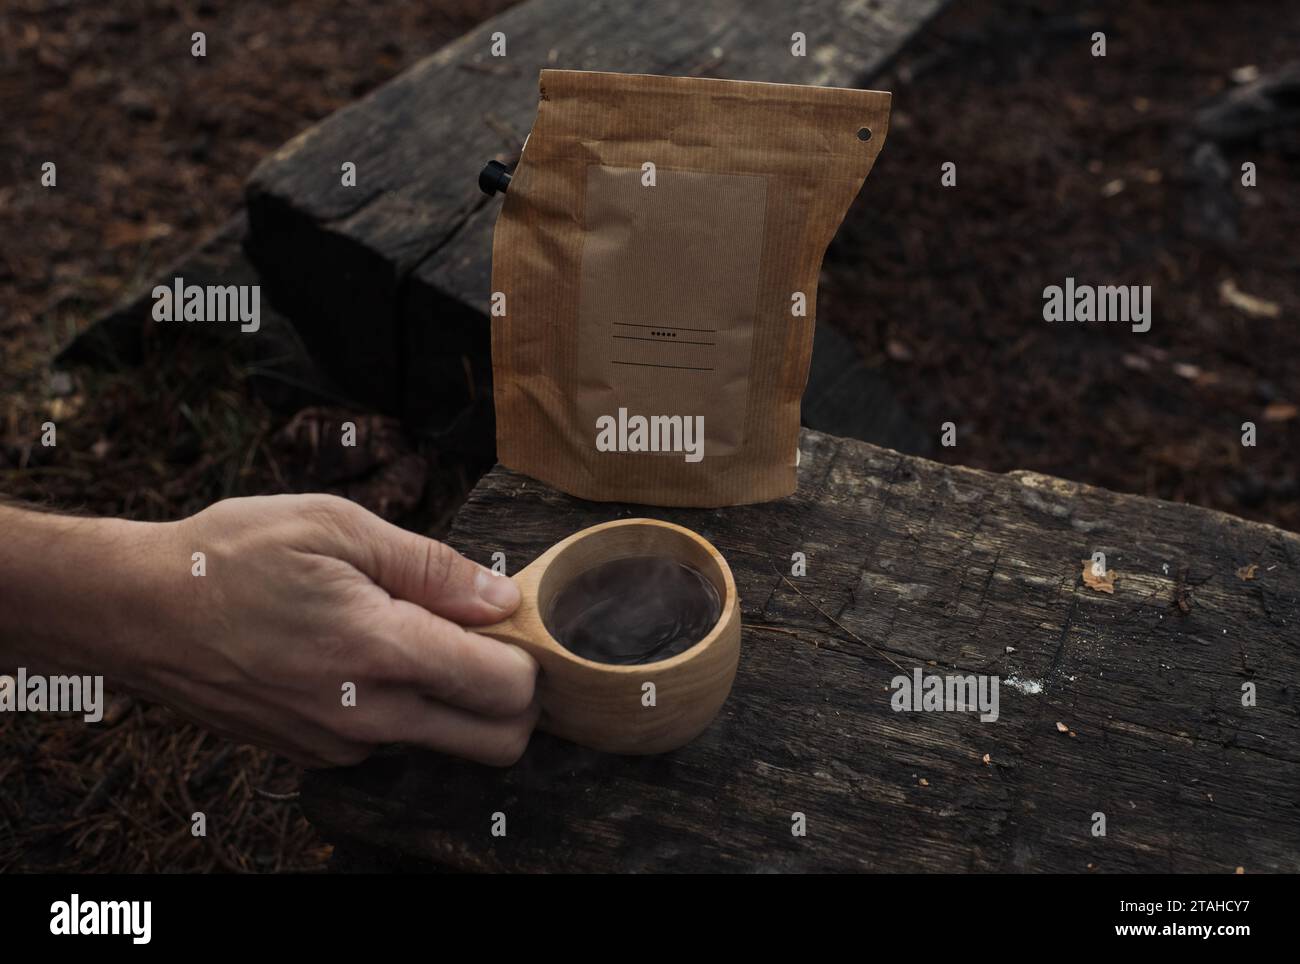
1075,166
1067,165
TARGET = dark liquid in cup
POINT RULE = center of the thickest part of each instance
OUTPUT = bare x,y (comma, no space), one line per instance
637,610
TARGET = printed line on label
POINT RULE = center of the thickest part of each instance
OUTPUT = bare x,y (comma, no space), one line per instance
650,365
664,341
629,324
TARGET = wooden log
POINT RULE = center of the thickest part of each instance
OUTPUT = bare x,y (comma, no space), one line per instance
1127,704
121,337
389,280
281,371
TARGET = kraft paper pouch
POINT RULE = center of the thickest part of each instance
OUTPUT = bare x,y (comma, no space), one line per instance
654,278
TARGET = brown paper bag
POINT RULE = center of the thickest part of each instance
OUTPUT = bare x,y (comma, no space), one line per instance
654,279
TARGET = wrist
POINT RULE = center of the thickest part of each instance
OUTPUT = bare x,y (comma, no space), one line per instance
80,595
143,604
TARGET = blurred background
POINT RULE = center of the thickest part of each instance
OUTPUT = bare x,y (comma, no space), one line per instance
1127,175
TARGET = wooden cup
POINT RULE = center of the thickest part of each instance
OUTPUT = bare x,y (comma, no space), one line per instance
603,705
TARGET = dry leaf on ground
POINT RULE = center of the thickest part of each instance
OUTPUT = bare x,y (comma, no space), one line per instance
1256,307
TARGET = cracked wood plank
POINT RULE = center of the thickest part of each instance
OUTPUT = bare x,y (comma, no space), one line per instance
389,280
941,568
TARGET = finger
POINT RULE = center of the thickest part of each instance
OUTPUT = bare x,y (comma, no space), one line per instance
496,741
430,574
457,667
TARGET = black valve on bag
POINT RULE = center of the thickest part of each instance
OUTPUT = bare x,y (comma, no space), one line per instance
494,177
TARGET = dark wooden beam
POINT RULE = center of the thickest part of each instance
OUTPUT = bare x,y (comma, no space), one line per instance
916,565
388,280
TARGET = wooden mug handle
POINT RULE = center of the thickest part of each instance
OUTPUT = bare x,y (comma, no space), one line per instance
524,627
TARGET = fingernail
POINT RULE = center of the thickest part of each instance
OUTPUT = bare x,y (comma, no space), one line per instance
497,591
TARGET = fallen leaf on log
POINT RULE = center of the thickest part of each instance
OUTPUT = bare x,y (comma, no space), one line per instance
1182,593
1103,583
1246,573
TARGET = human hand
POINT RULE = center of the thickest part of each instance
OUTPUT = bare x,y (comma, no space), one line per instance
303,594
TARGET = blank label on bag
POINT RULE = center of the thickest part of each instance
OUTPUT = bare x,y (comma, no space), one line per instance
669,285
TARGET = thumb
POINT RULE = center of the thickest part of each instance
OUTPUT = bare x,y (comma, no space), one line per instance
433,575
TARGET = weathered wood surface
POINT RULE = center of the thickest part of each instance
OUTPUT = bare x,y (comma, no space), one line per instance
389,280
943,568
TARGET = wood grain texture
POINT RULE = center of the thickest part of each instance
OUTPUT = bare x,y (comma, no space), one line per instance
390,279
936,567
